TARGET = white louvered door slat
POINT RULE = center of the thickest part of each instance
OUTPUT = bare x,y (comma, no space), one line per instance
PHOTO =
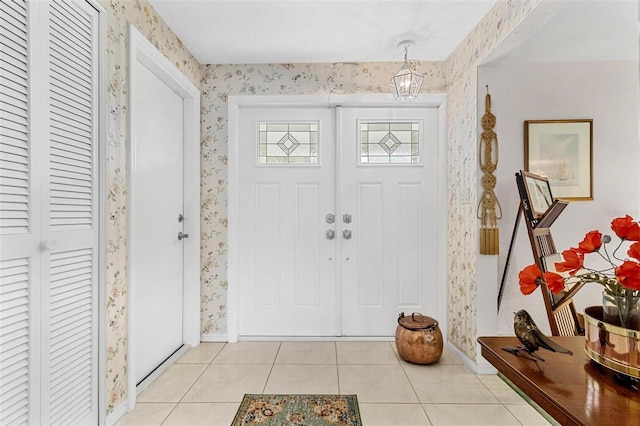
18,9
71,222
17,232
14,77
14,127
71,302
72,123
14,341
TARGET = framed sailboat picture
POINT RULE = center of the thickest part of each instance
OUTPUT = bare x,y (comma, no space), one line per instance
561,151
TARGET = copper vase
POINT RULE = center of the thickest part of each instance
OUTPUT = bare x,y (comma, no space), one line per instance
610,345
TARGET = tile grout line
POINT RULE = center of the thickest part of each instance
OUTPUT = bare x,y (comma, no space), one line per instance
273,363
335,351
528,400
192,384
169,414
499,400
412,386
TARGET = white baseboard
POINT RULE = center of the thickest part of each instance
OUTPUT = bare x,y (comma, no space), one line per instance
214,337
484,366
486,369
315,338
222,337
476,368
118,412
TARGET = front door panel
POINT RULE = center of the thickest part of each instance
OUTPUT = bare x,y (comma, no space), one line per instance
338,243
388,185
287,272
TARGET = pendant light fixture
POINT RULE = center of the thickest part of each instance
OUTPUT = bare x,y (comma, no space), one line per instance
405,84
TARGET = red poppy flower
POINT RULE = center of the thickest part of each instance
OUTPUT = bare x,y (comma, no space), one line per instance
626,228
592,242
634,251
628,274
573,261
529,279
554,281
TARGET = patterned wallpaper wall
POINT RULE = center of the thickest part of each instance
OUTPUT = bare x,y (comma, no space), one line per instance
462,164
217,82
144,17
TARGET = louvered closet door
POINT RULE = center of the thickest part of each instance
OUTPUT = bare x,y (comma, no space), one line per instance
49,214
19,232
70,228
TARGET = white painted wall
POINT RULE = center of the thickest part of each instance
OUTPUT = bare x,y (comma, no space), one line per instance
607,92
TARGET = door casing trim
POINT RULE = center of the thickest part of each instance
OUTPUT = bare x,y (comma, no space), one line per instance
102,211
143,53
236,102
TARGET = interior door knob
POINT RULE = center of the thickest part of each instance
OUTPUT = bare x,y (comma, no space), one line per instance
331,234
182,236
346,234
49,244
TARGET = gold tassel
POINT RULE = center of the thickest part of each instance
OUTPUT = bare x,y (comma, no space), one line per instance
489,241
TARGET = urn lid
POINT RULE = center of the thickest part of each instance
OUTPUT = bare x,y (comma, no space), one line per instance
417,321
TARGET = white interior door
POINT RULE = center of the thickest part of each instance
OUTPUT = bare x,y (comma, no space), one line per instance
389,175
157,202
286,265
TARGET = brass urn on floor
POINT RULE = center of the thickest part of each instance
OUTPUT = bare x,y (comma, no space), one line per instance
418,339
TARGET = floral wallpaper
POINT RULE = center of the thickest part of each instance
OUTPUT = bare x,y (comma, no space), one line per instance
119,15
456,77
462,142
217,84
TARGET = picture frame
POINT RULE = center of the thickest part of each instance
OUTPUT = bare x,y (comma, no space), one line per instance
538,193
561,151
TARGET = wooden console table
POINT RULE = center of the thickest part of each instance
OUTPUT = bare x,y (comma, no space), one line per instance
572,389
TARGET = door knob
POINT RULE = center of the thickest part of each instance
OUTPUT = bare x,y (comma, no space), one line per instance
331,234
48,244
182,236
346,234
346,218
331,218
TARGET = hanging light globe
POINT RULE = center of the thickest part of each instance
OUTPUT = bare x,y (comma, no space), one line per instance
405,84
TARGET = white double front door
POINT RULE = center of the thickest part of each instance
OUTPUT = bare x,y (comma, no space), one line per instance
337,219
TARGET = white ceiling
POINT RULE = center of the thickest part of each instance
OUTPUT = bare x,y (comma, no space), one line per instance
308,31
585,30
328,31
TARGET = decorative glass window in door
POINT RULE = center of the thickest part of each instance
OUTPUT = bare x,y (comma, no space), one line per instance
389,142
288,143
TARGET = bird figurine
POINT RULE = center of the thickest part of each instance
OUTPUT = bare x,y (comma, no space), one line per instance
532,338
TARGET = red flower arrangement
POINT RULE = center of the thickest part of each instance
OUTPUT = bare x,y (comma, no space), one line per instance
620,280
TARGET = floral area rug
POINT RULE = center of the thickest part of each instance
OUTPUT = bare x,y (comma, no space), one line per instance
298,410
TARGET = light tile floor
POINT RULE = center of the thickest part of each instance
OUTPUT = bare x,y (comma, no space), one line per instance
206,385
